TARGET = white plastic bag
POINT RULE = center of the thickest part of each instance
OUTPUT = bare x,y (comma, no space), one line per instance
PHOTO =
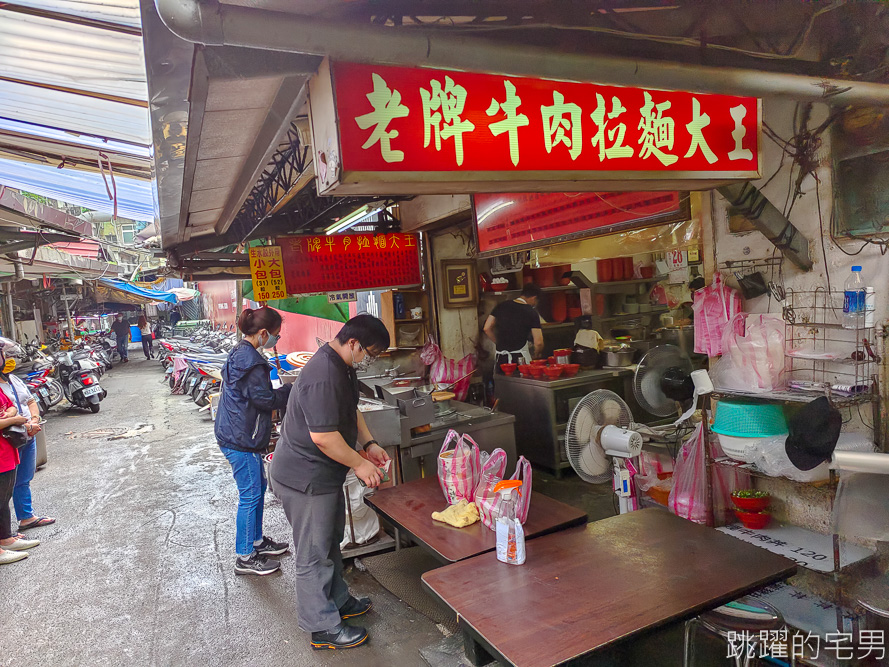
752,354
362,523
771,457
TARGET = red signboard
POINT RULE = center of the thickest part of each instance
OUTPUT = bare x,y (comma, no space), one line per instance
349,262
516,221
422,124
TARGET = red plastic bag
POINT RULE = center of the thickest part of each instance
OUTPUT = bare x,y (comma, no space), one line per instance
688,497
492,471
459,469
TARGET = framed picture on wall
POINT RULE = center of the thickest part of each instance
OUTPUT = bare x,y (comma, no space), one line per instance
460,283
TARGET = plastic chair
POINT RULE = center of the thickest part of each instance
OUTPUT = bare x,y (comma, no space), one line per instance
745,615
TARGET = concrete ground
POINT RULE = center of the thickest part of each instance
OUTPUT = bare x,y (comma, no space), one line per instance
138,569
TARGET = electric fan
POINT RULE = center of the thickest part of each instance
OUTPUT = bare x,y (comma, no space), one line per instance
663,379
599,428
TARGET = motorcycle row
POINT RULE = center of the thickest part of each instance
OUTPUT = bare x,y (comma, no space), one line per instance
193,363
71,374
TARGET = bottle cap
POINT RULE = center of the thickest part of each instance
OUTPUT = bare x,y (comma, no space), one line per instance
856,268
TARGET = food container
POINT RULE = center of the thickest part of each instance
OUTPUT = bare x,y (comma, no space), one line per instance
545,277
756,504
646,271
629,271
416,406
631,308
587,357
619,356
537,371
538,362
575,312
570,370
754,520
499,287
508,369
525,370
552,372
604,271
562,356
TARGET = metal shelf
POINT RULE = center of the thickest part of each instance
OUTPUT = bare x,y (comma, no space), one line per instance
788,396
751,470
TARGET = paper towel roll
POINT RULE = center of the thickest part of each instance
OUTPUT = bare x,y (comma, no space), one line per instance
873,462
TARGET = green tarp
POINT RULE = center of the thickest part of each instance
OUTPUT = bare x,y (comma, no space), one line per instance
315,306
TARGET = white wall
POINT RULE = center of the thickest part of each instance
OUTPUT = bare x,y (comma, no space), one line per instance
458,326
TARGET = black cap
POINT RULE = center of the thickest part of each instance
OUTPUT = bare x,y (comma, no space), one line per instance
814,432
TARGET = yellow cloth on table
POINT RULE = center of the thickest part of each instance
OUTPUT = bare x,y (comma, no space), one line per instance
459,515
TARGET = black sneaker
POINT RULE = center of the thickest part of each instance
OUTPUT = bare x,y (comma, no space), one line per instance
355,607
342,636
271,548
256,564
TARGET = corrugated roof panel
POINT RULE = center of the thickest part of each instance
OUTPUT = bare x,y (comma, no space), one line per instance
48,51
121,12
135,199
83,249
74,113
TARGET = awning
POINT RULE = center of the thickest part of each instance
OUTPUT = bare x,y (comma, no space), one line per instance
121,291
73,93
83,248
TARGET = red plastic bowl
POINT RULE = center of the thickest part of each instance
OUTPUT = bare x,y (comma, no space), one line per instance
538,362
570,370
508,369
499,287
525,370
537,371
752,504
552,372
754,520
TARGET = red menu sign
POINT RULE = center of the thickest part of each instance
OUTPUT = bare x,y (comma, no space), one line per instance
426,127
349,262
517,221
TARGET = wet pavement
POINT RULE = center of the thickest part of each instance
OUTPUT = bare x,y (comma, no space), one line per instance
138,569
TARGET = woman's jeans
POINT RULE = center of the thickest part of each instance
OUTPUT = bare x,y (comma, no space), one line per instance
146,345
24,473
7,481
249,474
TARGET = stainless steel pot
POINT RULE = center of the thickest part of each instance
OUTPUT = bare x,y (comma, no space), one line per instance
619,356
681,337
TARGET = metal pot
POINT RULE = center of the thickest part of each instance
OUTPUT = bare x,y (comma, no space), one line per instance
681,337
619,356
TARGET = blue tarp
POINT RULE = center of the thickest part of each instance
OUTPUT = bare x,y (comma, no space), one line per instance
149,294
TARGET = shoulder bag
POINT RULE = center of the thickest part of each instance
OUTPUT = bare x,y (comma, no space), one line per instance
16,435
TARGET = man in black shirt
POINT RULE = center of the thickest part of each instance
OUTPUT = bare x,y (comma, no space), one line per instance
321,429
512,324
121,330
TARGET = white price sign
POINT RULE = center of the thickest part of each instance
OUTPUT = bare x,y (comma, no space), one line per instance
676,259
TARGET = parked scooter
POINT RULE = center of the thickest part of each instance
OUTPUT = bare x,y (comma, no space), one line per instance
80,380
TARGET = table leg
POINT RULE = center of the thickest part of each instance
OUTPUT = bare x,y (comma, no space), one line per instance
475,652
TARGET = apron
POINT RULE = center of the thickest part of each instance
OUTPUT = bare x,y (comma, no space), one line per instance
520,356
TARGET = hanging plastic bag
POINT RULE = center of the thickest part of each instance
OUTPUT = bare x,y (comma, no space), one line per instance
752,354
688,497
492,471
362,523
458,468
713,307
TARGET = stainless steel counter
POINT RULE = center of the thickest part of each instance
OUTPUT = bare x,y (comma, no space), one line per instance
419,453
542,409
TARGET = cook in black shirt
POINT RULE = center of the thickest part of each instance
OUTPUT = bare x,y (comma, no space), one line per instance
512,324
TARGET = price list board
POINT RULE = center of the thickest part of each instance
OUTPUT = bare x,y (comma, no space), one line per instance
343,262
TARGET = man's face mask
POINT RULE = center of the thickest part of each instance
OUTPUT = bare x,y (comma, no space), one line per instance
365,363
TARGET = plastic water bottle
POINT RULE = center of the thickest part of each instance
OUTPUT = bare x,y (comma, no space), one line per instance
853,300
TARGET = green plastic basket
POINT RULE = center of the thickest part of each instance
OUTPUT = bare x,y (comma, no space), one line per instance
749,420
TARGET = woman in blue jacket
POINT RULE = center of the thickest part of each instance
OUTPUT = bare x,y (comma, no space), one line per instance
243,428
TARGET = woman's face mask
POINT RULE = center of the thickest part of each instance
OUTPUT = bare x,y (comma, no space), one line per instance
271,340
9,366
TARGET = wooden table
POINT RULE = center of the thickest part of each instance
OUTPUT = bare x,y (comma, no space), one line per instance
584,589
409,507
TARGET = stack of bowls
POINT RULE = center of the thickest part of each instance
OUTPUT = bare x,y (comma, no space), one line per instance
743,426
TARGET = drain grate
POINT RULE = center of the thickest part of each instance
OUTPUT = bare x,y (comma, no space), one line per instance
95,434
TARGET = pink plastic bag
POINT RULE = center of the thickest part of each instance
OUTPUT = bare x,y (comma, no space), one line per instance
485,499
688,497
458,469
713,306
443,370
523,504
